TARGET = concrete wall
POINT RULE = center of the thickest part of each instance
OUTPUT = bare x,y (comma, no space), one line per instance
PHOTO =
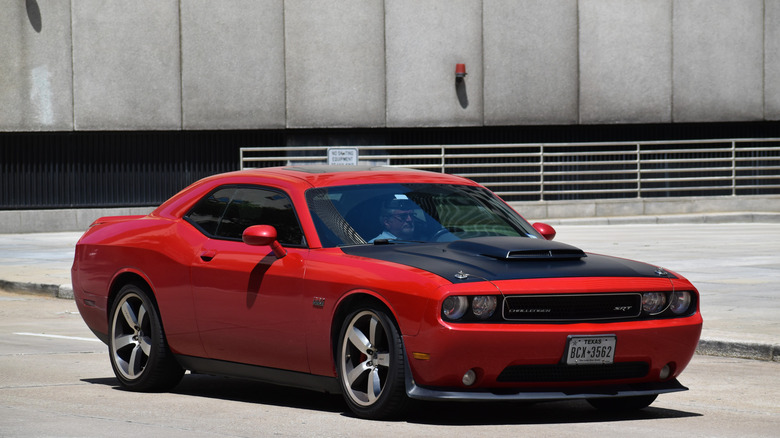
626,61
683,209
531,62
38,221
425,40
36,77
719,60
772,60
232,64
126,64
335,63
268,64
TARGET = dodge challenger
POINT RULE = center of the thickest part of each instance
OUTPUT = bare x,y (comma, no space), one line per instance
381,284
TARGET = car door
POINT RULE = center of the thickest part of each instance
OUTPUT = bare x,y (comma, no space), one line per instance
248,302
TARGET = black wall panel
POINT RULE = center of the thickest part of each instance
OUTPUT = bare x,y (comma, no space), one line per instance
121,169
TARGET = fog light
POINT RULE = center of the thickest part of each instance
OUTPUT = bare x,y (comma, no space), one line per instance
469,378
666,371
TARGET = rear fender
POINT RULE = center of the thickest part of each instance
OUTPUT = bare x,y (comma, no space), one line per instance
127,276
112,219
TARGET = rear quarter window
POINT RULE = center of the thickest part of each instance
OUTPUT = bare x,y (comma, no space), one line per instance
228,211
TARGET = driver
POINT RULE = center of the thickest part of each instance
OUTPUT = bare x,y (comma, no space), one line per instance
397,218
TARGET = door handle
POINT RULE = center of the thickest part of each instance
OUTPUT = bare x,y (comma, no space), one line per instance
207,256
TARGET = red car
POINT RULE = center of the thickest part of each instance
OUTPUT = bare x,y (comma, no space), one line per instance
383,285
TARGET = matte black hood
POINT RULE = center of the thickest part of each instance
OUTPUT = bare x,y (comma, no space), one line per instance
502,258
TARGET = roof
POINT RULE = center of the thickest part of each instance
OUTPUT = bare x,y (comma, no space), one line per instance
324,168
301,178
325,175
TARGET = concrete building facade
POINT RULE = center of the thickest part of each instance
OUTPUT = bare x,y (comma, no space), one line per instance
97,65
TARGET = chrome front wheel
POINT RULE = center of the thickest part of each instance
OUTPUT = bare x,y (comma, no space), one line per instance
371,365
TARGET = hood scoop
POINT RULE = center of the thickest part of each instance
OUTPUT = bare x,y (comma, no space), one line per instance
517,248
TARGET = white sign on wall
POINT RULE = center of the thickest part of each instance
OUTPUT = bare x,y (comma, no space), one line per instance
343,156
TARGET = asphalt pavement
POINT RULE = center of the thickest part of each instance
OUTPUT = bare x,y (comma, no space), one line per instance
734,261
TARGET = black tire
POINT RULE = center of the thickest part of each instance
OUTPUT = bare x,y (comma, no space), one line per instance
623,404
372,365
137,347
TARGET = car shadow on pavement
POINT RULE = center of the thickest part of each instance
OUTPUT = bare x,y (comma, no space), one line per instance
430,413
248,391
526,413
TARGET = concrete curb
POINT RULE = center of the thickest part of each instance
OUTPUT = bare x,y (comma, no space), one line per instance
742,350
64,291
706,347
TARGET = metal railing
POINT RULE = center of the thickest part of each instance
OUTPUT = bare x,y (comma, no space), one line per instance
574,171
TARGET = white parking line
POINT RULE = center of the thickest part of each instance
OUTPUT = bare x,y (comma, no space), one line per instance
74,338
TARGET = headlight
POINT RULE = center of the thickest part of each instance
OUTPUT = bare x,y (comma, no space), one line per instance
483,306
466,308
680,302
653,302
455,307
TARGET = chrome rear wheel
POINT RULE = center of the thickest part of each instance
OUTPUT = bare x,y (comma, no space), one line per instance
137,347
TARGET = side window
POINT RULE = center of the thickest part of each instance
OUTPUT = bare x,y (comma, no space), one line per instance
207,213
236,208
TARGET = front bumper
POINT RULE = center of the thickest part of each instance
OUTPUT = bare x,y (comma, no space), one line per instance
516,358
639,389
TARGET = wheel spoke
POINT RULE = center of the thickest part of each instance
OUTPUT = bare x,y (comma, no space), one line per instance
145,343
121,342
372,331
142,316
129,314
374,386
354,374
359,340
134,367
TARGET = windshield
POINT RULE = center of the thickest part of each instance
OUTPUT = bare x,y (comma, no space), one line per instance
395,213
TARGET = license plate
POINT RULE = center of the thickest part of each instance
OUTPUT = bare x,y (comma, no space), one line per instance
588,350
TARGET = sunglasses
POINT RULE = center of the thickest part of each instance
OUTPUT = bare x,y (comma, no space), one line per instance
402,217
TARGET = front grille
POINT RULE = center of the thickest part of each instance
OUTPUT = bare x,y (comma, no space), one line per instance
572,308
573,373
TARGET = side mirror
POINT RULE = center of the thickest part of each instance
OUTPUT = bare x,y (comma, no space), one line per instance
545,230
264,235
